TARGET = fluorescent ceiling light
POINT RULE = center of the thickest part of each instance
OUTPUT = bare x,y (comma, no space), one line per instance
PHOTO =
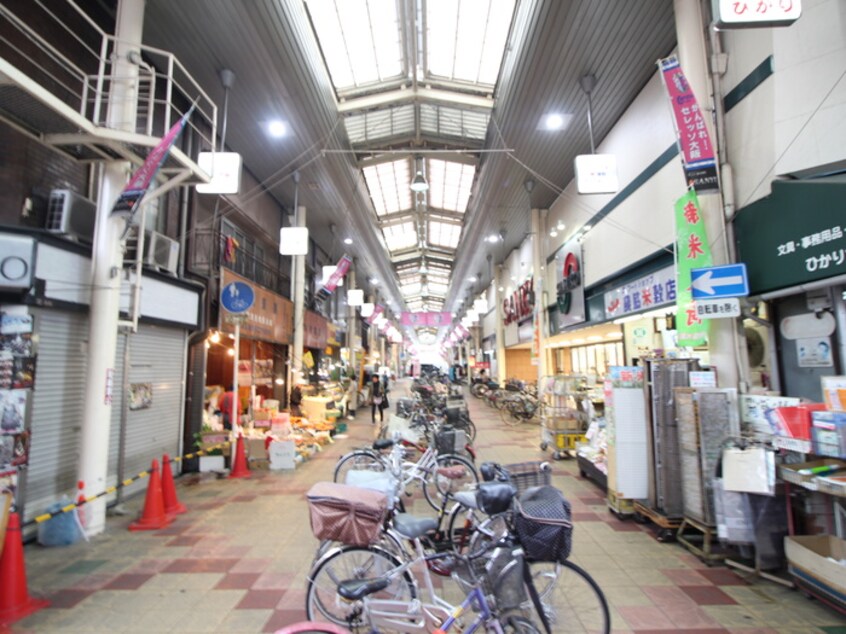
553,233
554,121
472,279
277,128
348,240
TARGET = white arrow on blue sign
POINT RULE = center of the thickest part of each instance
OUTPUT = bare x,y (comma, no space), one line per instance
719,281
237,297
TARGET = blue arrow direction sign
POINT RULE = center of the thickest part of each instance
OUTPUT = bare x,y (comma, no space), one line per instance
237,297
719,281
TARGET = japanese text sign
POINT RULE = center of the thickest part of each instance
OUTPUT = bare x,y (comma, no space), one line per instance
692,252
760,13
649,291
700,167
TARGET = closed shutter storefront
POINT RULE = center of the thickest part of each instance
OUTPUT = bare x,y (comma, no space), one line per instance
157,361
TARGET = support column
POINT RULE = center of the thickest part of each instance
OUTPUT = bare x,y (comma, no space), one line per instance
298,274
690,32
352,327
539,270
106,267
500,327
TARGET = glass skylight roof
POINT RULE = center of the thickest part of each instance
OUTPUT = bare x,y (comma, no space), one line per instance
360,39
444,234
383,123
411,289
365,44
400,235
471,37
389,186
449,184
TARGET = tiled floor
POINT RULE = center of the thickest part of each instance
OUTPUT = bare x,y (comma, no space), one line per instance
237,561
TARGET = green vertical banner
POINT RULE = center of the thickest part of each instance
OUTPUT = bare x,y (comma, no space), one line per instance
692,252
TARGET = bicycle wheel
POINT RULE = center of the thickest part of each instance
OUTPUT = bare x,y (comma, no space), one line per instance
436,486
509,414
468,426
572,601
346,563
462,525
359,460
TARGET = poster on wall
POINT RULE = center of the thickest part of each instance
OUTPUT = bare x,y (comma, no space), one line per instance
12,411
140,396
814,352
569,284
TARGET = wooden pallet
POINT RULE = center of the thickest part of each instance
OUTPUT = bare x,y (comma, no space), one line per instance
700,540
668,525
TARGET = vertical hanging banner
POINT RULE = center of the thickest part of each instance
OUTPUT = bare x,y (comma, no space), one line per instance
144,175
438,319
377,311
700,166
692,252
331,284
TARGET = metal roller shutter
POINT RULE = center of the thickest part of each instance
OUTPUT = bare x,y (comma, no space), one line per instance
57,406
156,356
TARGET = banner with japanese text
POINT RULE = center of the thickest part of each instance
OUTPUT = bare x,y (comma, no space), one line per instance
144,175
377,312
337,275
700,166
692,252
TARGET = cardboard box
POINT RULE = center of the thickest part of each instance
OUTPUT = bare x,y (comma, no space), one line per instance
814,560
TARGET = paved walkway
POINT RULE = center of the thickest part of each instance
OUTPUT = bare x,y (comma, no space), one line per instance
238,560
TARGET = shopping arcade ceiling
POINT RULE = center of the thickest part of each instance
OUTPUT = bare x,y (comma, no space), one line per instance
360,131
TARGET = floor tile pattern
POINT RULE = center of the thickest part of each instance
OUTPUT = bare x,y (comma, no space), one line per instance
238,560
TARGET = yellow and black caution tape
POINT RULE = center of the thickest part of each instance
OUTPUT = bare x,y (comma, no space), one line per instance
112,489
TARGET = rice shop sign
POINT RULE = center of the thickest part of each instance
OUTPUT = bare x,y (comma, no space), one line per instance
650,291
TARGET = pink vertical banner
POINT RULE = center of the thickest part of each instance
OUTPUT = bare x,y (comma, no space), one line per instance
695,145
377,310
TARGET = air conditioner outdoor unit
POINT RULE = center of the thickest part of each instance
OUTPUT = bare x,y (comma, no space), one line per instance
72,215
161,252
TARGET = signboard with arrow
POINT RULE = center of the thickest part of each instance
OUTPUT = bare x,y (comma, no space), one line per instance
716,282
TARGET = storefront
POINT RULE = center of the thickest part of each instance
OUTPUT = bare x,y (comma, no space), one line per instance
518,319
797,269
263,352
42,384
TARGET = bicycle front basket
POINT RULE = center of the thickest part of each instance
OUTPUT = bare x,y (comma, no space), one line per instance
543,524
346,513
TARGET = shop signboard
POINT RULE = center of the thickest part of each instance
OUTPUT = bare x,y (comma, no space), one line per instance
717,308
650,291
700,167
692,252
520,304
315,330
806,244
734,14
569,284
269,318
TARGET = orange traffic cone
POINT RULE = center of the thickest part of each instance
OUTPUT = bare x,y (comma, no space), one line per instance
172,505
239,465
154,516
15,602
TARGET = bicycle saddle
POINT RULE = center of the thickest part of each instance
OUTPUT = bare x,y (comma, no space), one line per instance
495,497
382,443
455,472
355,589
413,527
